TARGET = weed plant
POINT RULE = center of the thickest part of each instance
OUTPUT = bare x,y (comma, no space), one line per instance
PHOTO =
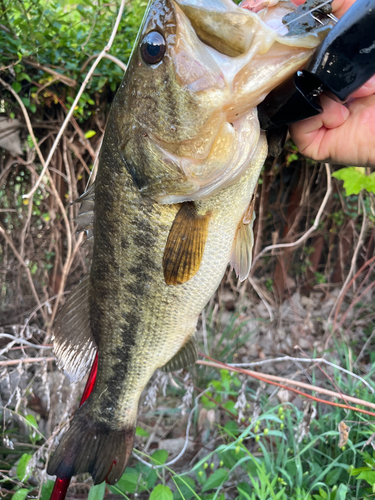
271,453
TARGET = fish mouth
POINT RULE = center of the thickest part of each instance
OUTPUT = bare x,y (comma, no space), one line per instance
225,60
230,38
229,28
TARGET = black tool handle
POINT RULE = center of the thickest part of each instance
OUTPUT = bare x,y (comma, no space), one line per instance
341,64
346,58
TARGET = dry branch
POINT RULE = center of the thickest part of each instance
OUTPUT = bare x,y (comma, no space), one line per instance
77,98
351,270
281,382
307,234
12,362
28,273
58,76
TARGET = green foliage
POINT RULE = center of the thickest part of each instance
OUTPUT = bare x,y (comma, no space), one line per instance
20,494
264,459
355,179
62,35
97,491
141,432
161,492
258,459
22,472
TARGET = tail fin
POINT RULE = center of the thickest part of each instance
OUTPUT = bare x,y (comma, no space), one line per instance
91,446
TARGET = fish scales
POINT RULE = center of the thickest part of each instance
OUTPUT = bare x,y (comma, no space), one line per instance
149,321
174,193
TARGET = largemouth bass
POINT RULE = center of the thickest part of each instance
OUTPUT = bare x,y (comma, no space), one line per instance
180,160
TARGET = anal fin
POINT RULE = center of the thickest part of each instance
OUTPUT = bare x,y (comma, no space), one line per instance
186,356
185,245
74,346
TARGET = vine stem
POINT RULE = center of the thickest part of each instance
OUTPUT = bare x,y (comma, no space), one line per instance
76,100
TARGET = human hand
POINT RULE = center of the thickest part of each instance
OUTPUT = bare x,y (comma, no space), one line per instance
341,134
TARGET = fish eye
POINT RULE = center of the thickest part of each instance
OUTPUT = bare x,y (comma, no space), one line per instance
153,47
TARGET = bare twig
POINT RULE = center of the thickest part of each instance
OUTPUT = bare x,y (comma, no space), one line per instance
23,341
351,270
56,196
106,56
364,348
259,292
10,362
303,360
28,273
281,382
296,383
76,100
168,464
28,123
58,76
307,234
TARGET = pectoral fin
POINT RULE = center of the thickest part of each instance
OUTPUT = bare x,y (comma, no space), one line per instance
185,245
186,356
241,256
74,346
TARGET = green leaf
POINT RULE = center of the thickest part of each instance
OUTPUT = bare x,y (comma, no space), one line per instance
22,466
97,492
127,483
341,492
102,81
225,379
355,179
20,494
159,457
368,476
90,133
231,428
47,490
244,489
186,488
215,479
230,406
26,101
332,476
16,86
23,76
31,421
355,472
141,432
161,492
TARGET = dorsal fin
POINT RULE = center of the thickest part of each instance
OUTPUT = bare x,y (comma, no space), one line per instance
185,245
185,357
73,345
